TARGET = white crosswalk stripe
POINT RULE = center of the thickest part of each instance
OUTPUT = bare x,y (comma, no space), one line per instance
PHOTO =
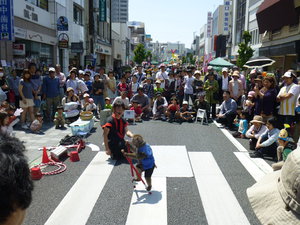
219,201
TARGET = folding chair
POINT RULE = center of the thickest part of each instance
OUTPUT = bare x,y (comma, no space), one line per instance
201,114
129,114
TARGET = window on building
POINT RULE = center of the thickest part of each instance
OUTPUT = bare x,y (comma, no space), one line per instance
43,4
240,20
77,14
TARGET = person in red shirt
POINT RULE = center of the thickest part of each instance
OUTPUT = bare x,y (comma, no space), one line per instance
123,86
137,110
173,110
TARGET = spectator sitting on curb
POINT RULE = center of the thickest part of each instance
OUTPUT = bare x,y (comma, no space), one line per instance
255,131
227,110
242,126
159,107
123,98
266,144
286,146
15,183
186,115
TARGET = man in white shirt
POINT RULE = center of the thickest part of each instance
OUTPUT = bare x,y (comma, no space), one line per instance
141,76
287,97
188,86
123,98
223,82
162,75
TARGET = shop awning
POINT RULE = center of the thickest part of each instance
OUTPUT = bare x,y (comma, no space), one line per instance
274,14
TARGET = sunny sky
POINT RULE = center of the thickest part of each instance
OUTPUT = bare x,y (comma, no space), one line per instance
172,20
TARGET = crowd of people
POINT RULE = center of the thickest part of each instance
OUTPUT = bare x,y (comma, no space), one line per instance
255,104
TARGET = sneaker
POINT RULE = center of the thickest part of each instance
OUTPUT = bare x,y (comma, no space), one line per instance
24,126
256,155
56,127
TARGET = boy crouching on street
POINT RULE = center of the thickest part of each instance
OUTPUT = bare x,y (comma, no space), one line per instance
59,118
143,153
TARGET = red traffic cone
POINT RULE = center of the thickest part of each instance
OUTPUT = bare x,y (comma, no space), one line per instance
45,158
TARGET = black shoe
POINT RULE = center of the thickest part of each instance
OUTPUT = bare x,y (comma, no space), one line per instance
56,127
255,155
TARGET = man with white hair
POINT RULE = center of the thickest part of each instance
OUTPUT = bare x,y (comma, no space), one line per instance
224,82
162,75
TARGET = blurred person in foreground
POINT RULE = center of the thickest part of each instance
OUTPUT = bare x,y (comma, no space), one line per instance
15,183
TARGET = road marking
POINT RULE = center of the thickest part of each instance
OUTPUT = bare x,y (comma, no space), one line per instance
78,204
148,209
245,160
171,161
256,167
235,142
219,202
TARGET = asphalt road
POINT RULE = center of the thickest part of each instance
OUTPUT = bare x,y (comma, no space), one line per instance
184,203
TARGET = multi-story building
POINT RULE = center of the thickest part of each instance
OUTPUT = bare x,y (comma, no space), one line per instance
119,11
137,32
163,51
279,26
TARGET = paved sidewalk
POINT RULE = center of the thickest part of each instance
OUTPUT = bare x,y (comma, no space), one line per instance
33,142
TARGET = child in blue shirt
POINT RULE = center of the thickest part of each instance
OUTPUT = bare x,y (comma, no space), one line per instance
242,126
143,153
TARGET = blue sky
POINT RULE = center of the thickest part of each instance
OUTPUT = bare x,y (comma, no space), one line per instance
172,20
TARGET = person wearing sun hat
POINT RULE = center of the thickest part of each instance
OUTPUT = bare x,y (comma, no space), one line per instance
162,75
255,131
286,146
275,199
235,87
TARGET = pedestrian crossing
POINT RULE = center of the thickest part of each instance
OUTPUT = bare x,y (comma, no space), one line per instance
220,203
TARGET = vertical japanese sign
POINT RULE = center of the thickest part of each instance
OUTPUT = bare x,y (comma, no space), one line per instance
102,10
6,20
226,17
209,24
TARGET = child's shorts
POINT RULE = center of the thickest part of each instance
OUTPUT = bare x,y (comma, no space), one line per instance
148,172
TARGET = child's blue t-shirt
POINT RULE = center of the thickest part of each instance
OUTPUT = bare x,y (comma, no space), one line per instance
147,162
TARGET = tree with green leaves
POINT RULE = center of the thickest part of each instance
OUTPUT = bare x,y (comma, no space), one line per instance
245,51
183,60
148,56
139,54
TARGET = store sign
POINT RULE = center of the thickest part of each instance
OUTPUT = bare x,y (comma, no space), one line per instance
19,49
77,47
209,24
102,11
63,40
6,20
103,49
226,17
62,23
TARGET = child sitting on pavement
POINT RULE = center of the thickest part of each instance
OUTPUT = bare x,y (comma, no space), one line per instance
5,129
201,103
173,110
186,115
286,146
143,153
137,110
37,124
59,117
242,126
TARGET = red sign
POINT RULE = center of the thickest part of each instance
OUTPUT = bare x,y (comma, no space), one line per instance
19,49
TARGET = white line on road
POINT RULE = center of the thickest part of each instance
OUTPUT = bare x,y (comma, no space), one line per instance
78,204
237,144
171,161
219,202
148,209
256,167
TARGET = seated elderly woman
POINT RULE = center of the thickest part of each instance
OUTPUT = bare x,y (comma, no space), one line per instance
255,131
71,105
267,142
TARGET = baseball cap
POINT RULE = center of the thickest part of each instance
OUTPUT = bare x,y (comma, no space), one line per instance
210,68
51,69
185,103
225,69
288,74
81,72
86,95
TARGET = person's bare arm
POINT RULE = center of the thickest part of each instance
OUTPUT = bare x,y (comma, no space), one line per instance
105,137
128,132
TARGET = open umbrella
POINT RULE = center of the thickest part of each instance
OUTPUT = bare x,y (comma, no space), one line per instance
219,62
260,61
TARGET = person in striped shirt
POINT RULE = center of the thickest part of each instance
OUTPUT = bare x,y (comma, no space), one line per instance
287,97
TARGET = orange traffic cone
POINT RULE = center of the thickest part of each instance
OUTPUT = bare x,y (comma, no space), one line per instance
45,158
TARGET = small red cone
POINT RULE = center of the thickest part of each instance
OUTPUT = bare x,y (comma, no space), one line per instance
36,173
45,158
74,156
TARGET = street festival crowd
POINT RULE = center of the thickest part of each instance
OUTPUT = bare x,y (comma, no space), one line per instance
256,105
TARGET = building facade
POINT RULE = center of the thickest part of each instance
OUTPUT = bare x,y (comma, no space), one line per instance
119,11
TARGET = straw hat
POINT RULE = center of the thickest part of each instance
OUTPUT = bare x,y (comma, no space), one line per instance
236,74
257,119
276,198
